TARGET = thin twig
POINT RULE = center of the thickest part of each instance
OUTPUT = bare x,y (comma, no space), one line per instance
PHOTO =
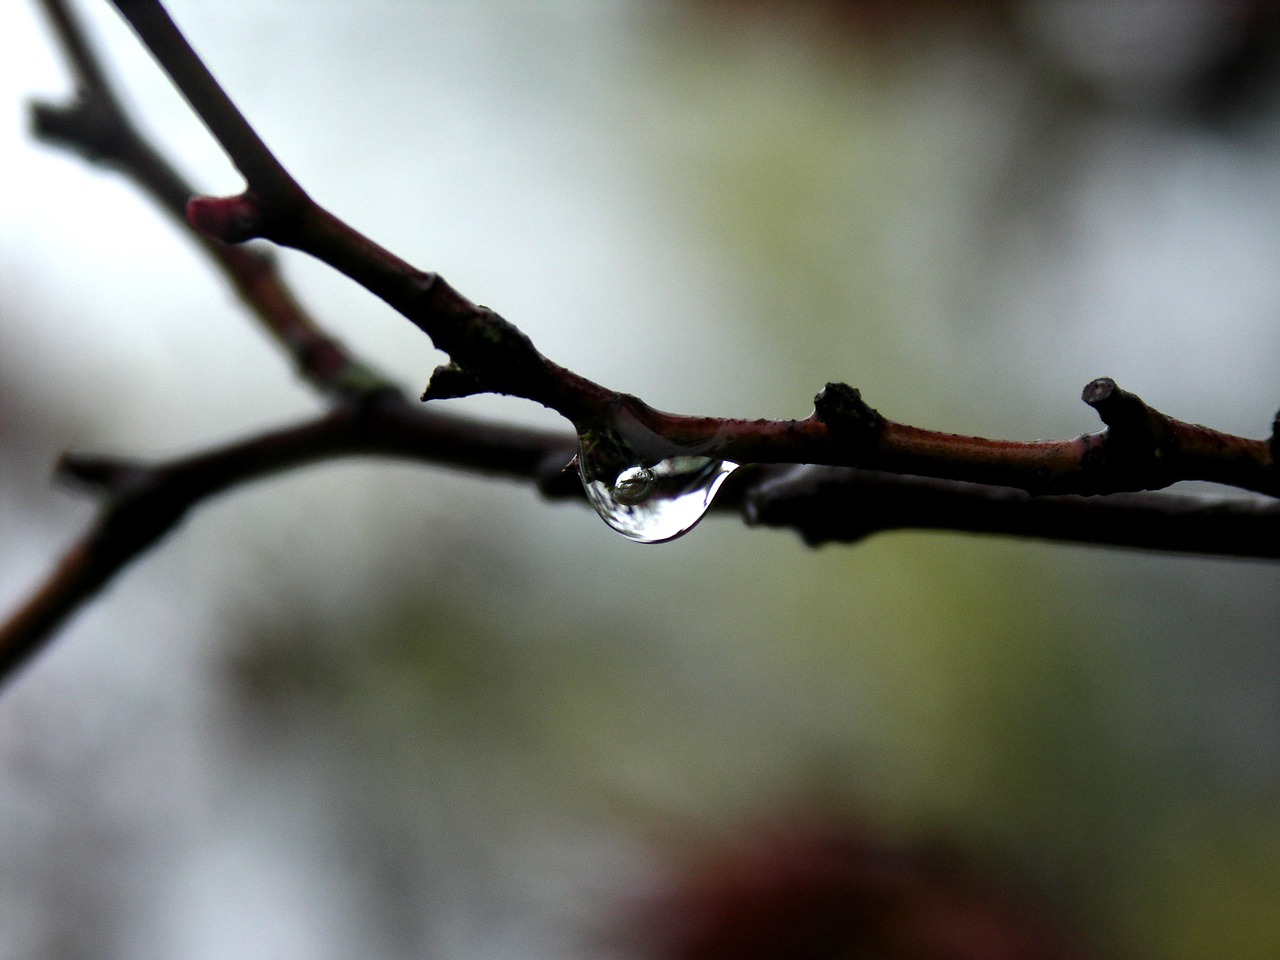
143,502
97,126
843,505
223,118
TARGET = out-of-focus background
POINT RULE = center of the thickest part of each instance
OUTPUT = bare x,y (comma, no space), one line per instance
378,710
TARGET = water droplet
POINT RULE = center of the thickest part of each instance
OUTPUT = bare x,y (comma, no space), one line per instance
655,503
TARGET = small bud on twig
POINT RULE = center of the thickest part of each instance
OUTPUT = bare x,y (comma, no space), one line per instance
450,381
229,219
846,414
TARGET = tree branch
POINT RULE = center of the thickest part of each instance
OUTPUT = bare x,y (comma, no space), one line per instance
97,126
843,505
490,353
1140,448
142,502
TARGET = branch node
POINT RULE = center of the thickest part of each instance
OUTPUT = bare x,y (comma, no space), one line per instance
229,219
112,476
450,381
1140,441
82,125
849,418
508,344
485,340
1127,416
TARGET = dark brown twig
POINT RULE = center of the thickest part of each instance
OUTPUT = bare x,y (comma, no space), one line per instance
490,353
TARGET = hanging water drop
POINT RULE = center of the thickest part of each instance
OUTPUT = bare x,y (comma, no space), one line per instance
652,504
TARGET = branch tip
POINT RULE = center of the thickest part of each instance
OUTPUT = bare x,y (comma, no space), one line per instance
1119,409
1097,391
450,381
84,126
50,121
557,478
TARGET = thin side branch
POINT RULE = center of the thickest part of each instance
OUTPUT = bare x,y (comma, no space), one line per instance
143,502
97,126
841,505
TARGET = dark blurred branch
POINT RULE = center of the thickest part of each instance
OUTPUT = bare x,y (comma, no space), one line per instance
844,505
141,502
97,126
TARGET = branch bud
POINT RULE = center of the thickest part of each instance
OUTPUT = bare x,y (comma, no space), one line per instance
450,382
846,414
229,219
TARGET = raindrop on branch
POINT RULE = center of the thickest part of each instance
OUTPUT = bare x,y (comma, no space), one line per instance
653,504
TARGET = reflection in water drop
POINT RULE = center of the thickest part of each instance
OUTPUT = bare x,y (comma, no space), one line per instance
633,485
658,503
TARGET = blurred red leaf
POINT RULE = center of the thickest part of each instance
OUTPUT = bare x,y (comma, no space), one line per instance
828,893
